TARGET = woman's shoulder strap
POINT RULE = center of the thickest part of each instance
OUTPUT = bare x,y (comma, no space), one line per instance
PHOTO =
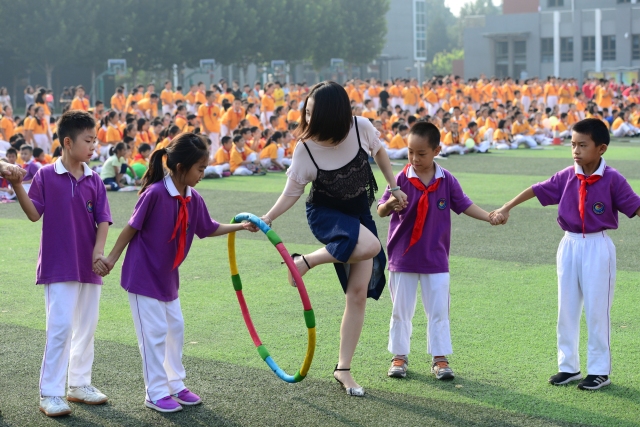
355,120
310,156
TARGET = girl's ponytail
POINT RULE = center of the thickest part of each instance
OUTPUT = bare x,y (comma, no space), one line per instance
155,172
118,147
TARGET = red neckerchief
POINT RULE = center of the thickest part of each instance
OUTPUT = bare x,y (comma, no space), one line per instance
423,206
583,193
182,221
243,153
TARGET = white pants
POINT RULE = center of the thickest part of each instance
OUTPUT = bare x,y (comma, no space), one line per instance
42,141
542,139
526,103
160,331
623,130
586,275
483,147
72,316
215,143
265,117
217,169
242,171
411,108
376,102
396,101
433,108
488,134
166,109
504,145
191,108
564,134
435,299
563,108
552,101
397,153
454,149
525,139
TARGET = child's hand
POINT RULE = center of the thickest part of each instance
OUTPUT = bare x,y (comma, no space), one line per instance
13,174
401,197
394,204
499,216
99,267
249,226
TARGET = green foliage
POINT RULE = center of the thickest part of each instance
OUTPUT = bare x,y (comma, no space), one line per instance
442,63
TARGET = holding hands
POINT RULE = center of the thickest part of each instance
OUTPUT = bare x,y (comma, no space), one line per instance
499,216
12,173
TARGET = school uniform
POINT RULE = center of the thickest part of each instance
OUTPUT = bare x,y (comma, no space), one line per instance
71,210
210,117
586,259
151,278
220,163
423,258
32,167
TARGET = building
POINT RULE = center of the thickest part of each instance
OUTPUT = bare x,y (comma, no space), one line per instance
566,38
406,44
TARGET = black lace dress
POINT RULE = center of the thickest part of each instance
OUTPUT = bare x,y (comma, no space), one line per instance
340,200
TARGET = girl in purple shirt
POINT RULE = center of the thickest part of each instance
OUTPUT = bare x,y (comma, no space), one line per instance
159,234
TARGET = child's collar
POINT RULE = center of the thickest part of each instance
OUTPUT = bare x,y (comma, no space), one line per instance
171,187
600,171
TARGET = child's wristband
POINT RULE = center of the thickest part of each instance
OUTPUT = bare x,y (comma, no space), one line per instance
391,190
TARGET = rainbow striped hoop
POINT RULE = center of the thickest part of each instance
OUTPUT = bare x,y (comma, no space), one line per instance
309,317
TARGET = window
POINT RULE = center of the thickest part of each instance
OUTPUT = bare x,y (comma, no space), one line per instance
566,49
589,48
608,48
519,58
555,3
546,49
420,49
502,59
635,47
624,1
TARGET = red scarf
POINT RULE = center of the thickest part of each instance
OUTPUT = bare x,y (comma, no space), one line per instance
182,221
583,192
423,206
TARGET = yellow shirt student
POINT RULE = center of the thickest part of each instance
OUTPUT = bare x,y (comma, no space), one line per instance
113,134
38,127
232,118
45,108
616,123
410,95
521,129
397,142
166,96
118,102
269,152
293,116
451,138
236,157
253,121
80,104
278,97
370,114
222,156
268,103
178,96
181,122
8,126
210,117
146,105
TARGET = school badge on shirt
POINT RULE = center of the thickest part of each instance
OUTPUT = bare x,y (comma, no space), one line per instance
598,208
442,204
90,206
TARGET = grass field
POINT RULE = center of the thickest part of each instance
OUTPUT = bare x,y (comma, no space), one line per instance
503,315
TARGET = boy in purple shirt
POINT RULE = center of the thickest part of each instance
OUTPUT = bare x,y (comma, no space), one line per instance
418,248
30,165
73,201
589,196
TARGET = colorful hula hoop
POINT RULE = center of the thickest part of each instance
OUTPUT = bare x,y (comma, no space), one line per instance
309,317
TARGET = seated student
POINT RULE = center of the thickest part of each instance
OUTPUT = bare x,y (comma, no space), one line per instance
293,116
369,111
28,163
453,143
522,132
502,136
398,144
219,166
6,190
563,128
472,133
243,160
172,132
40,156
144,152
181,117
115,167
540,133
272,155
621,126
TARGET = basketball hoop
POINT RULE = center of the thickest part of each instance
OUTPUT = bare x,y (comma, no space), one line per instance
117,66
207,65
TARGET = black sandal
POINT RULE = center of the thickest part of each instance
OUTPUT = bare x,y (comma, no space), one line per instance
293,257
351,391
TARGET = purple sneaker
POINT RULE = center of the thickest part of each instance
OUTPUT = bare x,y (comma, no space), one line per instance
166,404
187,398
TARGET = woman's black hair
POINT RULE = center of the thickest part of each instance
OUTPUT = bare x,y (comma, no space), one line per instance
331,116
119,146
185,150
273,138
141,122
130,127
40,96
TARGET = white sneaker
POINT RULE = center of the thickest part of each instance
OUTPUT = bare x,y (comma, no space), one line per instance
86,394
54,406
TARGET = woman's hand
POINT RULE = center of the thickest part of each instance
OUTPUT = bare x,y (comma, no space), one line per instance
401,197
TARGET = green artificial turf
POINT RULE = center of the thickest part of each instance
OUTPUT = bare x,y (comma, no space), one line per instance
503,313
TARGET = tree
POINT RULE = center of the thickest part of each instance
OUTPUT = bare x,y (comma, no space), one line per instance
442,63
439,19
480,7
49,33
366,29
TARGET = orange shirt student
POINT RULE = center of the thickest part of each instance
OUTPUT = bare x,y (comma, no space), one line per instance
236,158
167,98
38,126
181,122
80,104
268,103
200,97
293,116
8,126
221,157
113,134
254,121
398,142
410,95
233,116
149,106
209,114
356,95
451,138
118,102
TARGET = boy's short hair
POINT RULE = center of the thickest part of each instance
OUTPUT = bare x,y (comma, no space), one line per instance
225,139
237,139
37,151
12,150
472,124
403,127
427,131
595,129
26,147
72,123
144,147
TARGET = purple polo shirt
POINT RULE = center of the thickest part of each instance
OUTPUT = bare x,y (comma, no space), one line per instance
147,268
71,211
607,196
32,167
430,254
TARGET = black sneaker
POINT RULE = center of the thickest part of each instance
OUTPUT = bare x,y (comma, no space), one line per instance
562,378
594,382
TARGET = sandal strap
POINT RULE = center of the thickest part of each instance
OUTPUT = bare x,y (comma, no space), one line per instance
341,369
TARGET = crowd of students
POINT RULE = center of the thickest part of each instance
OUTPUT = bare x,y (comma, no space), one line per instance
250,130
